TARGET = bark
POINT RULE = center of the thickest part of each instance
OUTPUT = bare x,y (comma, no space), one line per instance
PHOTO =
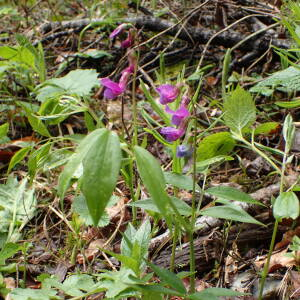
187,33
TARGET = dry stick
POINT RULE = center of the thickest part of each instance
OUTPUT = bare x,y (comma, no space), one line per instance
185,20
221,31
206,223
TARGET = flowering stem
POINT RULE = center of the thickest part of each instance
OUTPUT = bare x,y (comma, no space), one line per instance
266,267
193,217
134,103
134,141
174,241
275,228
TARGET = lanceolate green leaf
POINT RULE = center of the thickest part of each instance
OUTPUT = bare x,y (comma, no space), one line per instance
75,161
239,109
153,178
101,168
18,156
229,193
169,278
229,212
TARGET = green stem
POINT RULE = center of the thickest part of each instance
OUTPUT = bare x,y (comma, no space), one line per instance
132,193
134,104
193,217
174,241
266,267
262,154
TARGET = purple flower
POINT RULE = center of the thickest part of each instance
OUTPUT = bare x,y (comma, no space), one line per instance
129,41
172,134
183,151
125,76
178,115
113,89
118,30
168,93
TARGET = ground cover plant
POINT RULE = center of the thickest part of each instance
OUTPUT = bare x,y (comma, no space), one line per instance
149,150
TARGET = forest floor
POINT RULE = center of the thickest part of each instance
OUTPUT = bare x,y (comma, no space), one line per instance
47,111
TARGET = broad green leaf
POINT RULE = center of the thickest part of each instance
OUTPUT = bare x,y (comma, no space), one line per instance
266,128
74,285
181,181
127,262
229,193
76,160
101,167
215,293
127,240
8,251
239,109
79,206
153,178
116,282
78,82
229,212
135,243
17,157
216,144
148,204
169,278
17,207
287,80
286,206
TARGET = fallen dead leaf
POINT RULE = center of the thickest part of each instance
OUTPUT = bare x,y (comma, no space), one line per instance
92,251
115,210
295,280
287,238
278,260
231,264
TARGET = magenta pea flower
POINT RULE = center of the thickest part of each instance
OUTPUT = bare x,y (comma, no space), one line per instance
125,76
172,134
168,93
129,40
118,30
113,89
178,115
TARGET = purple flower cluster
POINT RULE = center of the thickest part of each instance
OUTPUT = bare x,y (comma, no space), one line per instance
168,93
130,35
115,89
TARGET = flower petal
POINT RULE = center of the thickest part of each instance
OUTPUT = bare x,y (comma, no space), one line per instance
168,93
178,115
118,30
172,134
109,94
116,89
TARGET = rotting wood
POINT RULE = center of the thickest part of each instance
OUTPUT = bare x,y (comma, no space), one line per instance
207,224
227,39
209,248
